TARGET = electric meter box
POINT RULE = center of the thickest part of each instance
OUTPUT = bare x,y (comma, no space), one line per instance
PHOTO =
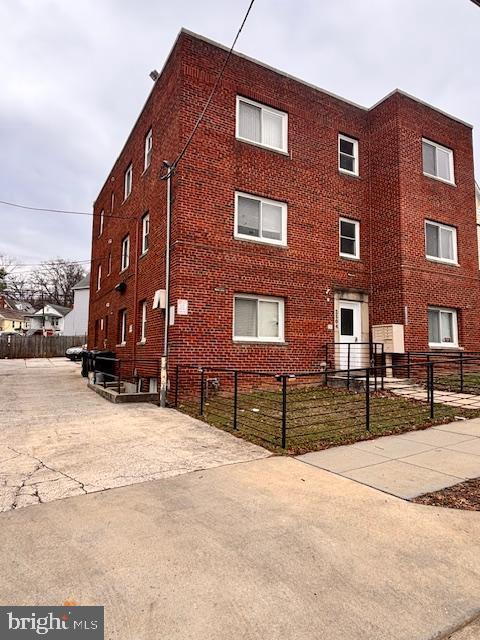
391,336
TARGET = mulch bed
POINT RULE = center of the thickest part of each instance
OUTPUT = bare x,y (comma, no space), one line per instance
465,495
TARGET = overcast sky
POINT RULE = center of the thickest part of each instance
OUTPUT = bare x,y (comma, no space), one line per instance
74,76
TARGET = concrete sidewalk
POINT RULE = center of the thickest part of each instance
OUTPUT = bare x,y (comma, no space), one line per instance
267,550
409,464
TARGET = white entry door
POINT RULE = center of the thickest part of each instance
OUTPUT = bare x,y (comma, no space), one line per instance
350,332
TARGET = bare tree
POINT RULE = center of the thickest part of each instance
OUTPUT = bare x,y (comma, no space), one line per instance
54,280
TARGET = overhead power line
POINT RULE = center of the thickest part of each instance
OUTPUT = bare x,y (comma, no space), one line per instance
212,93
65,211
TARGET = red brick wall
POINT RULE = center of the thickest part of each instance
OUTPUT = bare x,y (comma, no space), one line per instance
390,198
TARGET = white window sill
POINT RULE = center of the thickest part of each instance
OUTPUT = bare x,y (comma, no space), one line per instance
143,254
445,345
122,344
257,341
429,175
142,342
271,243
345,172
282,152
146,169
124,269
348,256
451,263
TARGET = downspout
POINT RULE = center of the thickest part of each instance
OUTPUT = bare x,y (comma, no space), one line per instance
164,362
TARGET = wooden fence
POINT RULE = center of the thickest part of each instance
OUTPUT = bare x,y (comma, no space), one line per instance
37,346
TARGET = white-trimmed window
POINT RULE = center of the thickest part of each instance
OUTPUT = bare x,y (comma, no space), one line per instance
100,228
145,232
128,182
442,327
122,326
349,232
437,161
440,242
148,149
261,125
99,277
125,259
143,321
347,155
258,319
260,219
109,263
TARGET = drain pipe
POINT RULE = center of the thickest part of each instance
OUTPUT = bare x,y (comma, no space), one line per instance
164,363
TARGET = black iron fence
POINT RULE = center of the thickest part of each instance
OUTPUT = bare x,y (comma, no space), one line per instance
312,409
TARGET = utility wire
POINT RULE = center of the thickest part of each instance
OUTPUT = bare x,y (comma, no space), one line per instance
64,211
210,97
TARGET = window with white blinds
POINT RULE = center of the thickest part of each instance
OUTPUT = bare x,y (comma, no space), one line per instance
258,319
261,125
260,219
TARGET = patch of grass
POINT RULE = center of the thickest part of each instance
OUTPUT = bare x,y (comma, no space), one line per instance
451,382
319,417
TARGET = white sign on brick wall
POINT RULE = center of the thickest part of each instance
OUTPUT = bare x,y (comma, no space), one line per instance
182,307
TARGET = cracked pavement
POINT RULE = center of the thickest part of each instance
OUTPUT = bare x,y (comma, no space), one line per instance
59,439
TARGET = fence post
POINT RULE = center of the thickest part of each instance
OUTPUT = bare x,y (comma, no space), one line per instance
348,367
202,390
432,406
119,381
367,399
235,398
177,373
383,362
284,411
461,371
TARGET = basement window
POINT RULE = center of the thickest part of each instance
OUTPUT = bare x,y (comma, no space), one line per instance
261,125
258,319
260,219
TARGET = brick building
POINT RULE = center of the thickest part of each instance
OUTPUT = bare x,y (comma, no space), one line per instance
298,219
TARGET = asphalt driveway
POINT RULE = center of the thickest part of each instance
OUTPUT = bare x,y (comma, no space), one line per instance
59,439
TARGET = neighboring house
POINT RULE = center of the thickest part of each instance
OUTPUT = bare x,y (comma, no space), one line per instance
11,320
49,319
76,322
24,309
298,219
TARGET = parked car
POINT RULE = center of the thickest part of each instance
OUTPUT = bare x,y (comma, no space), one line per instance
75,353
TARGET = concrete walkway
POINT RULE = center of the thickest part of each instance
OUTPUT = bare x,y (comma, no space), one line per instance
267,550
410,464
413,391
58,439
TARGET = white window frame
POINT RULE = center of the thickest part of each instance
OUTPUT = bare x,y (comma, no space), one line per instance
145,232
128,182
341,136
450,160
99,277
262,240
109,267
281,319
125,253
264,109
454,314
351,256
143,322
148,149
454,238
102,216
123,327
